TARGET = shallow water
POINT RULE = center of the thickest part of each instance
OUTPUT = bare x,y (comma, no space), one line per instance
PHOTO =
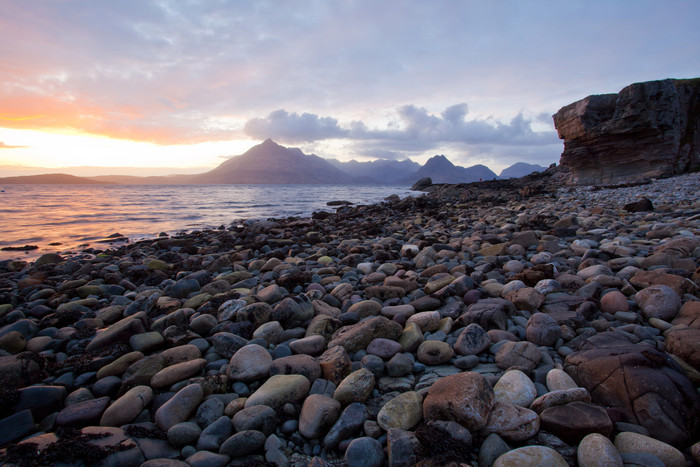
78,215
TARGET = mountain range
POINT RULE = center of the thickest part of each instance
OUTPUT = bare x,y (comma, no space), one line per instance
270,163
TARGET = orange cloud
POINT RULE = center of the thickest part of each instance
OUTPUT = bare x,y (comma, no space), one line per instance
34,112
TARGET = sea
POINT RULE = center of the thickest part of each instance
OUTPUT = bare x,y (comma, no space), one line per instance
70,218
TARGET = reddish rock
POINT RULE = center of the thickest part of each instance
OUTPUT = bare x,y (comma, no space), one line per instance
689,315
685,343
572,422
679,284
639,382
466,398
645,131
335,364
358,336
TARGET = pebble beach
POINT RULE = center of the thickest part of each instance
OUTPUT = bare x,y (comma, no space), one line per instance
520,323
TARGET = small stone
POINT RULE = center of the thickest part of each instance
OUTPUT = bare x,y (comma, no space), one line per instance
559,380
512,422
356,387
318,414
531,456
542,329
125,409
364,452
596,450
279,390
243,443
634,442
659,301
434,352
403,411
613,301
179,407
524,355
472,340
466,398
250,363
516,388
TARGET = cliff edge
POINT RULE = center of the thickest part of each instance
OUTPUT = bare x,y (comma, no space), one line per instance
647,130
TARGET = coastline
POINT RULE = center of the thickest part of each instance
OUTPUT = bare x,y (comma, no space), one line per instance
513,286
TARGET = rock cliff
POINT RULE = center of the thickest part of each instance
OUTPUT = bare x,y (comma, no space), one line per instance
648,130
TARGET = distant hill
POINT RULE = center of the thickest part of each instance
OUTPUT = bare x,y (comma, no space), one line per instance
270,163
51,179
383,171
520,169
441,170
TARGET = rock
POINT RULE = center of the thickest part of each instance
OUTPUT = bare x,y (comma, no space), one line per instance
301,364
214,434
384,348
560,397
83,413
358,336
472,340
403,411
402,447
243,443
641,205
659,301
125,409
542,329
491,449
309,345
279,390
637,134
559,380
350,421
434,352
531,456
251,362
184,433
596,450
684,343
364,452
179,408
526,298
335,364
356,387
523,355
490,313
16,426
422,183
572,422
515,388
466,398
613,301
318,414
178,372
258,417
639,382
511,422
629,442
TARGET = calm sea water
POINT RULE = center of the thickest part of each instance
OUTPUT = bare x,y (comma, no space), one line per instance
78,215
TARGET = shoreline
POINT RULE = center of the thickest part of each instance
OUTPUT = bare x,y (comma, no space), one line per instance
314,339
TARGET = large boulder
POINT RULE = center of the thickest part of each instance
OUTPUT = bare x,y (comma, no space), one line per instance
641,383
648,130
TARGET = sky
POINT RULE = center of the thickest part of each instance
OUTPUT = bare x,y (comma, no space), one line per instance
144,87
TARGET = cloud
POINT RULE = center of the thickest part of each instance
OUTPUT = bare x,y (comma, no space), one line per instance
7,146
294,128
414,127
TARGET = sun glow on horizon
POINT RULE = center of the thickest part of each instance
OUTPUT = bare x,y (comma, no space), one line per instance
58,149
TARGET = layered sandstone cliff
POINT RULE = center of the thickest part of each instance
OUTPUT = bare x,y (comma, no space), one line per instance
648,130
